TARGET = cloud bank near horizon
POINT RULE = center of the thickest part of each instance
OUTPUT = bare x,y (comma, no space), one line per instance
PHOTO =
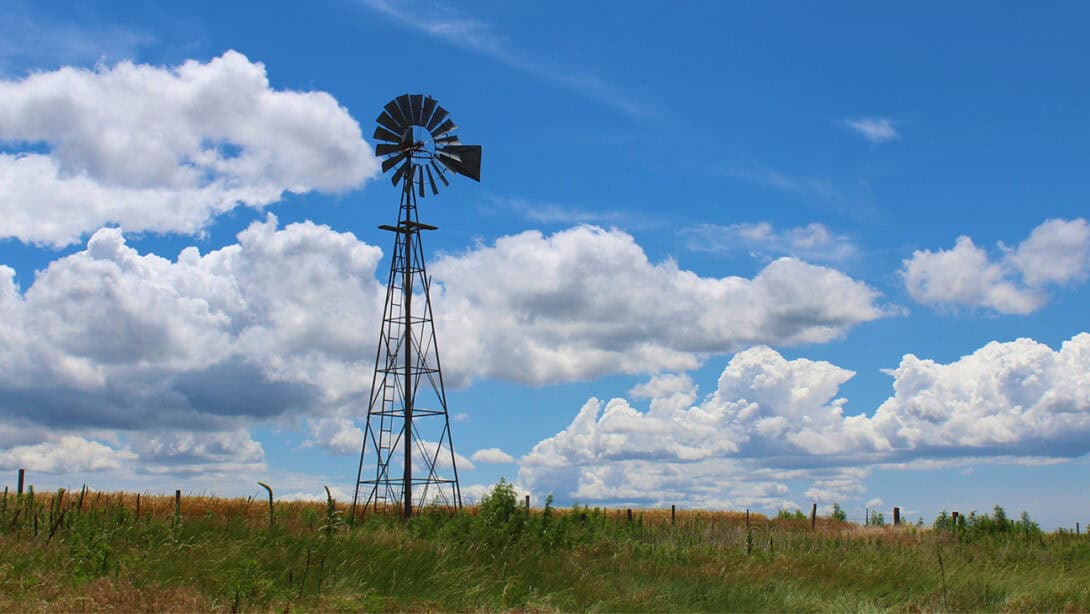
772,421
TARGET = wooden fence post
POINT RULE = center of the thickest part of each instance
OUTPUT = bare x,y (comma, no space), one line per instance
1077,532
629,512
527,501
813,516
896,516
954,517
178,503
673,515
747,517
22,476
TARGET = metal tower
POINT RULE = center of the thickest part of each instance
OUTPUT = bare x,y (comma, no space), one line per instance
407,442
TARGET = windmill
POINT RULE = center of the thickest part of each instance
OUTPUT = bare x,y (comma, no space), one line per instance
408,401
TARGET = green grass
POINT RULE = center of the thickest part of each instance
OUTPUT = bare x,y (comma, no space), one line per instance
222,555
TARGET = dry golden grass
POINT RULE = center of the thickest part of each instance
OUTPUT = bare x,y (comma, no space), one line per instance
254,511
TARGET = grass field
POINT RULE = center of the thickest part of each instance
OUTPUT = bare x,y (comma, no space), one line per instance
58,553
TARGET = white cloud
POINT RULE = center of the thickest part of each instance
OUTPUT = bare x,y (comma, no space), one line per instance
584,302
64,453
187,453
110,338
164,149
811,242
317,495
876,130
1016,398
773,420
492,455
339,436
965,275
1056,252
281,325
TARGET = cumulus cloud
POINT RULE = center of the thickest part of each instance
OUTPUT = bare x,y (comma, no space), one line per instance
1015,398
339,436
811,242
281,325
586,301
492,455
164,149
111,338
772,420
876,130
189,453
1057,252
64,454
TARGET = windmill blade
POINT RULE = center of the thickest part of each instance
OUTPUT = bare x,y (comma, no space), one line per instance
448,140
392,108
406,105
439,171
429,107
387,121
462,159
418,108
440,115
384,149
385,135
389,163
400,172
444,128
431,180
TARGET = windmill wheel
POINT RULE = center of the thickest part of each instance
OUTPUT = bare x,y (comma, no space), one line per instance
418,140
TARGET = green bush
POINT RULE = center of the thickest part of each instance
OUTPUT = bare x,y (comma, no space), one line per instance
838,514
997,524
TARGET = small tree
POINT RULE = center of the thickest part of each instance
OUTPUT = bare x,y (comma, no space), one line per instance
839,514
500,504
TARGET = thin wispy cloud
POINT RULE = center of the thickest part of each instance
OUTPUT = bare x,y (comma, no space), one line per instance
566,215
811,242
876,130
478,36
27,40
819,192
812,187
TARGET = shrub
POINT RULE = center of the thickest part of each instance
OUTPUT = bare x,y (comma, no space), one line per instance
786,514
500,505
839,514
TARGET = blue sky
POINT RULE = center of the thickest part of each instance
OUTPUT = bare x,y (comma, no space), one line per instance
725,255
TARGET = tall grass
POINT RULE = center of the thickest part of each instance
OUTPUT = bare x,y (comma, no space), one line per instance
224,554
